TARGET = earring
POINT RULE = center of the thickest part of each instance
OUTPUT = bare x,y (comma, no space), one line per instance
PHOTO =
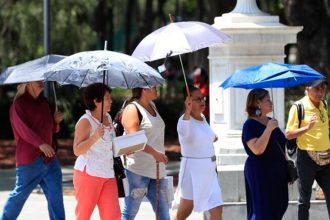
258,111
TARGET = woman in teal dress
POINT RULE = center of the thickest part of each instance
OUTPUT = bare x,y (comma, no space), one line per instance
265,172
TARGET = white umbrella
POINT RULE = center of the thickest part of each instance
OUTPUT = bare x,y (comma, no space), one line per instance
178,38
33,70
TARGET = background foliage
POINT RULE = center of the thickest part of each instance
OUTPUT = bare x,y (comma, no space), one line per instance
84,25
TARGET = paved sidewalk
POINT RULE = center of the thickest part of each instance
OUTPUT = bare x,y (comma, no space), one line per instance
36,206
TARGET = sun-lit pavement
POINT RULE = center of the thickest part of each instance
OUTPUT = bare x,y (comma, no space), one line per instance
36,206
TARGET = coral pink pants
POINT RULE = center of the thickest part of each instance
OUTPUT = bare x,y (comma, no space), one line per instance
91,191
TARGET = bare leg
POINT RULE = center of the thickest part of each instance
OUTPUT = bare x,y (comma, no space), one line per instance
184,210
216,213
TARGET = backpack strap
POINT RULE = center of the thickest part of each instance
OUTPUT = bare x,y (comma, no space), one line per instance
301,111
139,113
325,104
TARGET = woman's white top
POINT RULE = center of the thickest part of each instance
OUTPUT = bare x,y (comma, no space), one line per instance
198,180
196,138
98,160
142,163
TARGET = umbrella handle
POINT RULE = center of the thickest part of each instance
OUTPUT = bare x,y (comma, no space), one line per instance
55,97
184,76
271,91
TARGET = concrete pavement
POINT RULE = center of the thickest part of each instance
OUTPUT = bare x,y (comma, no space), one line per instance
36,206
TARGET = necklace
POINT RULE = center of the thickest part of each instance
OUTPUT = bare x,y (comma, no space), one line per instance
108,127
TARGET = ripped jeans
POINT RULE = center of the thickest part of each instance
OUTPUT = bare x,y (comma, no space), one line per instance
139,187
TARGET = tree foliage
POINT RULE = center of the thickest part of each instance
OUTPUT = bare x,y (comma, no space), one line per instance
314,39
84,25
21,29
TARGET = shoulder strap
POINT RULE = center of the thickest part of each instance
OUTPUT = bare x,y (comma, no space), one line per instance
139,113
301,112
325,104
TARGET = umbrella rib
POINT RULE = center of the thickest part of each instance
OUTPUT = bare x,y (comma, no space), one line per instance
122,73
82,81
50,75
157,80
67,76
144,80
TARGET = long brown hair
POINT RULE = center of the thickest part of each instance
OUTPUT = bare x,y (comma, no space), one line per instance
136,95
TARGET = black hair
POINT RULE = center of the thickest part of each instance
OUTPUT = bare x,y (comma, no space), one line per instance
95,91
191,89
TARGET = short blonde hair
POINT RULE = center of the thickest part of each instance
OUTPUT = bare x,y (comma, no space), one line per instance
21,88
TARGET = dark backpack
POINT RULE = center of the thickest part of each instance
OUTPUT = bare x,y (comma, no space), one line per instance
291,145
117,120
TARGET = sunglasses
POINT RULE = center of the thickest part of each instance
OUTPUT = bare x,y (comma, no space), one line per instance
200,99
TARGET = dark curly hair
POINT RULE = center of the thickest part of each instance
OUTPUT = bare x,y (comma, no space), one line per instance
95,91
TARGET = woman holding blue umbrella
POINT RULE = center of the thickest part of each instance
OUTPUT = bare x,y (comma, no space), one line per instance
265,171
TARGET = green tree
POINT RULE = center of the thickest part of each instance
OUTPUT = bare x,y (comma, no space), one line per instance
314,39
21,29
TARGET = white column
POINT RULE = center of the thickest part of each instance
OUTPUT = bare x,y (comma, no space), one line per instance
256,38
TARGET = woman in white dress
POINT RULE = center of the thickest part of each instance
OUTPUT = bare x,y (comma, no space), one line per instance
198,187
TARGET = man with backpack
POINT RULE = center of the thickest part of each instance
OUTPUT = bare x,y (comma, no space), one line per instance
313,153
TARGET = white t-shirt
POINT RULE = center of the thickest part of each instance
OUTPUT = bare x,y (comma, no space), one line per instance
142,163
98,160
196,138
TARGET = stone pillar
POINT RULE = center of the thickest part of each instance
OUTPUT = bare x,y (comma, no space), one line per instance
256,38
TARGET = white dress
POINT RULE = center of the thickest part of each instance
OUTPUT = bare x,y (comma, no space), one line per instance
198,179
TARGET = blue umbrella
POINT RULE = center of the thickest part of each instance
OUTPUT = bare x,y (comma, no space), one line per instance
271,75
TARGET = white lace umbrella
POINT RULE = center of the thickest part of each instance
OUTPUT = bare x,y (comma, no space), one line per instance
119,70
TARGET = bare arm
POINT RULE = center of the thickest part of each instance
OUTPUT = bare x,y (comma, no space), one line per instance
290,134
258,145
130,121
188,106
82,140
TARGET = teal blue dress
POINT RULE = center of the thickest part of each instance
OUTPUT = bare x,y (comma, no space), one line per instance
265,175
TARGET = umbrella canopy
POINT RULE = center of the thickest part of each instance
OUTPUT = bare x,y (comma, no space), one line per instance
271,75
178,38
120,70
33,70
